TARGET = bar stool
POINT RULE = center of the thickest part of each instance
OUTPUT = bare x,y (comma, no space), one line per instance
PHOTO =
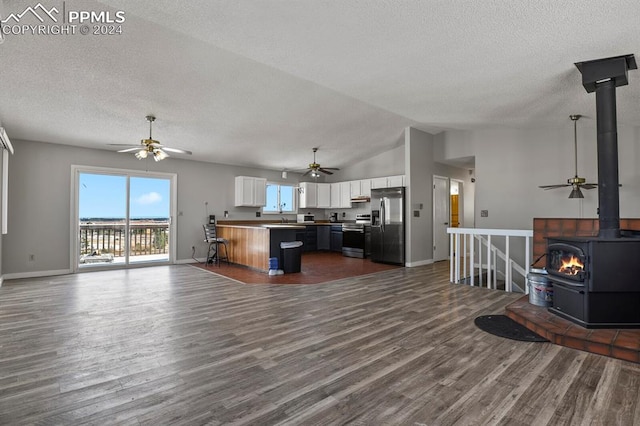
213,252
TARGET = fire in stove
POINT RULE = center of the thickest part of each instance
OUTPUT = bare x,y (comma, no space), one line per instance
571,266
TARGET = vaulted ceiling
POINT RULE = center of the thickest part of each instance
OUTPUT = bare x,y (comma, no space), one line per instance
261,82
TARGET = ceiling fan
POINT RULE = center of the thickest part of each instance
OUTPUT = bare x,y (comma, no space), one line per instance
575,182
315,168
150,146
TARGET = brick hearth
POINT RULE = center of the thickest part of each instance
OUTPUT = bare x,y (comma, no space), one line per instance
616,343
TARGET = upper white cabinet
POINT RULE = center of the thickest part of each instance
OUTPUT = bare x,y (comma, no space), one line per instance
341,195
335,195
380,182
395,181
315,195
324,195
345,195
354,188
250,191
365,187
308,195
360,188
387,182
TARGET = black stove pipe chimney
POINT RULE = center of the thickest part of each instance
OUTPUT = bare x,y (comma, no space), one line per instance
603,76
608,192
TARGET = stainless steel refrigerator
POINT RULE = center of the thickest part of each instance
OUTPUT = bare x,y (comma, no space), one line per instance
387,225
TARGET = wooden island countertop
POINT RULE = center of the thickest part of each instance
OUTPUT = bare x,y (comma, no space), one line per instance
252,244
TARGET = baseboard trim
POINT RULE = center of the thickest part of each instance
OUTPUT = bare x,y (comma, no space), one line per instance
419,263
36,274
191,260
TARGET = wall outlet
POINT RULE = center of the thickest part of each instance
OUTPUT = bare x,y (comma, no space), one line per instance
484,213
416,213
257,214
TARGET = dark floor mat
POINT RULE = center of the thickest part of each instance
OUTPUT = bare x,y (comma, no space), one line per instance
503,326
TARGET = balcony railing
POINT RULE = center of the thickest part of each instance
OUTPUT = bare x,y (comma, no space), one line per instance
145,238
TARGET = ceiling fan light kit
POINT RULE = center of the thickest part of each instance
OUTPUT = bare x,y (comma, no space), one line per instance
151,146
315,169
576,182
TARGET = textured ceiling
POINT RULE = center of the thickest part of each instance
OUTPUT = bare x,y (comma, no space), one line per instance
260,83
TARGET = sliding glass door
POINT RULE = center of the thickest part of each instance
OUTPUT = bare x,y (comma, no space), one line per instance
149,219
122,218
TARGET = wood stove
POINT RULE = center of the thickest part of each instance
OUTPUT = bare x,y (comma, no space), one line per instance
596,280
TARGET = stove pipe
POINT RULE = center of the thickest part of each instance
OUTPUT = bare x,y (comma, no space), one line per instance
603,76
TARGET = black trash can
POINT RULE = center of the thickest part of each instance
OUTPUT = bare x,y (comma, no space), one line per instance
291,256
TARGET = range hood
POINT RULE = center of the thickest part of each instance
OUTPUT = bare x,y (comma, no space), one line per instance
360,199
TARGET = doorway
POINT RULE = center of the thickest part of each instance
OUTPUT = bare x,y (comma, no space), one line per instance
122,218
441,218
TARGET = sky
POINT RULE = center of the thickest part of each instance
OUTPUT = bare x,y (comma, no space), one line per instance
104,196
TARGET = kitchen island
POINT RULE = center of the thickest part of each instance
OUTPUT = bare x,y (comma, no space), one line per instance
253,244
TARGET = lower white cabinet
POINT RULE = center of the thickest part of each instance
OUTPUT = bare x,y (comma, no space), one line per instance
250,191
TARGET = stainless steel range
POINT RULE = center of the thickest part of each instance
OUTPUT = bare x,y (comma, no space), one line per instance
354,236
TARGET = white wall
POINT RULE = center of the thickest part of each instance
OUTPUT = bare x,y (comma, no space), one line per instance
510,164
388,163
420,169
39,200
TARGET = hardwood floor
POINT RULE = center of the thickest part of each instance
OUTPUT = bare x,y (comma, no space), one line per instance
179,345
316,267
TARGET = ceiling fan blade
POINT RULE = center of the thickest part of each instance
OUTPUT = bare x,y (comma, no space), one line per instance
308,171
176,150
554,186
589,185
122,144
325,171
136,148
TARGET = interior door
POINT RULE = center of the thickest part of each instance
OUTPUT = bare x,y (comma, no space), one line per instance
440,218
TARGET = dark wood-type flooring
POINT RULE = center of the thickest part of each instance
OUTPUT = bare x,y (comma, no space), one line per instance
316,267
179,345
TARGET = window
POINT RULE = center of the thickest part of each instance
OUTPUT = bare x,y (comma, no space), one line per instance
280,199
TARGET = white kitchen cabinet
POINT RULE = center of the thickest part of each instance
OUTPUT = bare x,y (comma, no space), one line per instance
308,195
250,191
345,195
324,196
365,187
393,181
335,195
379,182
354,188
387,182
